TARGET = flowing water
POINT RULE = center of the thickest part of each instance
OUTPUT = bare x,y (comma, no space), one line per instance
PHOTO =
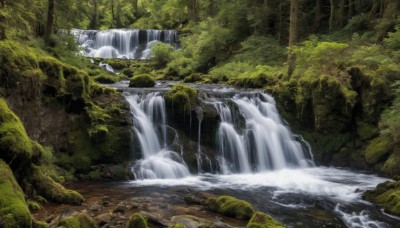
260,160
122,43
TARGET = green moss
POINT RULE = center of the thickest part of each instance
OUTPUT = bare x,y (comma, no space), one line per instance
230,206
181,97
118,64
51,190
392,164
106,79
14,141
137,220
81,220
177,226
33,206
14,211
366,130
196,77
262,220
386,194
377,148
142,80
39,224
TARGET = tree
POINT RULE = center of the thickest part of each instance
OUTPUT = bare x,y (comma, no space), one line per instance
332,15
94,21
3,34
293,33
50,20
192,10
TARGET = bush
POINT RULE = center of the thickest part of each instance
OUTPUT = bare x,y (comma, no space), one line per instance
230,71
161,54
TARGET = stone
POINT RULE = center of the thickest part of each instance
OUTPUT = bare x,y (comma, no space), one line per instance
191,221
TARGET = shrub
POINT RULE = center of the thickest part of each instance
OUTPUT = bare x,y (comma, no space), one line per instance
161,54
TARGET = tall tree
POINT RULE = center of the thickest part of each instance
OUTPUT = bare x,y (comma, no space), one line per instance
94,21
332,15
135,8
350,9
342,16
50,20
293,33
3,25
318,15
192,10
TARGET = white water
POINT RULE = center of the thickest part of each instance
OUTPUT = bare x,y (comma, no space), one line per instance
122,43
264,143
158,162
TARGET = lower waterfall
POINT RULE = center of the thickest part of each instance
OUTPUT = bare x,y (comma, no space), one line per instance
158,161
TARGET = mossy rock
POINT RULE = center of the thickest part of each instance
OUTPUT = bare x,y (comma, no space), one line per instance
51,190
39,224
14,211
377,148
262,220
33,205
177,226
128,72
118,64
137,220
181,97
386,194
142,80
392,164
231,206
106,79
82,220
196,77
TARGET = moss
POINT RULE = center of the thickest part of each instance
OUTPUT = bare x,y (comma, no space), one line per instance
51,190
386,194
81,220
196,77
106,79
230,206
377,148
33,206
39,224
137,220
177,226
392,164
366,130
181,97
118,64
128,72
262,220
142,80
14,141
14,211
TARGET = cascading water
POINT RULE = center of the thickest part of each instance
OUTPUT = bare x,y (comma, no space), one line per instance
122,43
262,143
158,161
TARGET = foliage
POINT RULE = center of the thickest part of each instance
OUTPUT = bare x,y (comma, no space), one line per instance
79,220
161,54
137,220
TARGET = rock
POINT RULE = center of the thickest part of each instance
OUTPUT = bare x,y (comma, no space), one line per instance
162,206
260,220
190,221
106,201
230,206
121,208
137,221
103,219
155,218
377,148
135,206
142,80
386,194
95,207
79,220
196,200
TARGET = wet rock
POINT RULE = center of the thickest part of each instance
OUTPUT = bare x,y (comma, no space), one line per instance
95,207
137,221
103,219
230,206
121,208
135,206
191,221
194,199
106,201
162,206
261,219
155,218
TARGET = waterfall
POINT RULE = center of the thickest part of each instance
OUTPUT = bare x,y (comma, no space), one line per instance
122,43
158,162
263,143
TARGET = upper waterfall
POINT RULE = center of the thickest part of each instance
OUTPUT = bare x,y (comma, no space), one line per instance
122,43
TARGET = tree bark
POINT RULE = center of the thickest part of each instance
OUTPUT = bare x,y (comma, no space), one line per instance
50,20
350,9
293,33
135,7
3,34
192,10
332,15
94,24
318,16
265,19
389,15
372,12
342,16
112,11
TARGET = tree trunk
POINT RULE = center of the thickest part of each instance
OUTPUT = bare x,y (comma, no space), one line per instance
350,10
118,21
318,16
342,16
3,34
265,19
332,15
372,12
293,33
135,7
94,24
112,11
211,8
192,10
389,15
50,21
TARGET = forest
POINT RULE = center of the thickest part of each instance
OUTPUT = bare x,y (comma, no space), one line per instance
325,71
